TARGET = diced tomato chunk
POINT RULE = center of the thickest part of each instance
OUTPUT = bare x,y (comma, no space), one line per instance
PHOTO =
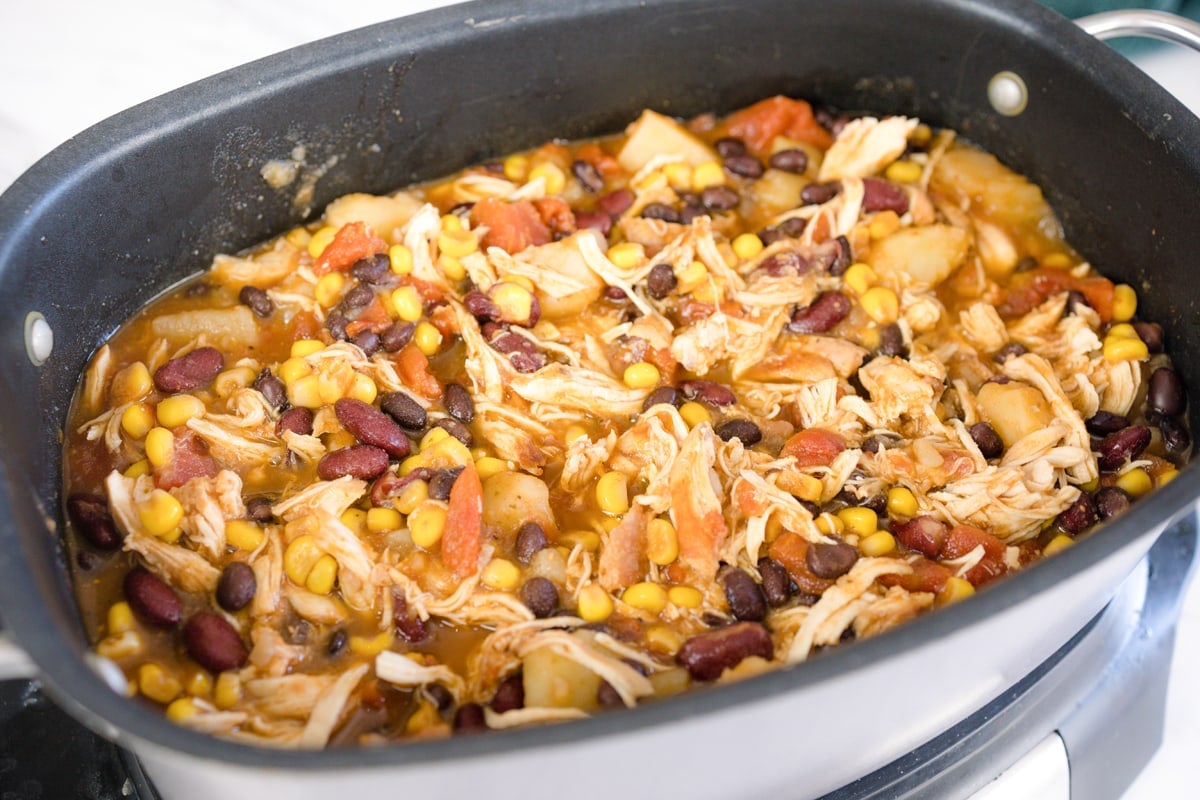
189,459
463,539
813,447
353,241
511,226
927,576
962,539
759,124
372,318
413,368
605,164
1099,294
923,534
556,215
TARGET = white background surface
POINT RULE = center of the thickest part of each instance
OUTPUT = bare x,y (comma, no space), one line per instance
72,63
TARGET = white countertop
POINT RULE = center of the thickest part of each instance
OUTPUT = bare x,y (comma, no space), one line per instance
72,63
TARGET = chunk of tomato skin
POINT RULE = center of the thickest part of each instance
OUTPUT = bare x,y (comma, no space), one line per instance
1099,293
759,124
748,500
555,215
962,539
353,241
813,447
189,459
924,534
413,368
605,164
463,540
1029,289
374,318
927,576
511,226
791,550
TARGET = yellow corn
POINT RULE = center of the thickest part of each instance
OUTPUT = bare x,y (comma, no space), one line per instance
157,684
322,577
411,463
243,534
694,414
830,525
521,280
708,292
516,168
137,420
884,224
609,523
1136,482
1057,544
407,302
651,181
627,255
955,589
199,683
881,304
131,383
859,520
859,278
382,519
747,246
901,502
921,135
177,409
181,709
137,469
685,596
678,175
514,302
690,276
612,493
489,466
306,347
1123,330
803,486
642,375
574,432
427,338
588,540
451,222
411,496
662,542
401,259
329,289
457,244
448,452
228,690
707,175
293,370
160,513
305,392
452,268
356,520
299,558
553,176
664,639
426,524
1166,476
646,596
298,237
1122,349
363,388
320,240
903,172
431,438
1057,260
160,445
424,718
232,379
120,645
879,543
501,574
119,618
595,604
370,645
1124,302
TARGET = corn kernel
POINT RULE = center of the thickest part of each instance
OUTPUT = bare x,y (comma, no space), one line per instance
609,523
121,645
407,302
320,240
401,259
131,383
881,305
1136,482
137,469
137,420
859,278
451,223
177,409
921,135
1124,302
651,181
229,381
642,375
243,534
707,175
685,596
452,268
431,438
426,524
489,466
293,370
356,520
691,276
516,168
425,717
747,246
884,224
448,453
662,542
901,502
515,303
1057,544
160,446
904,172
1123,330
588,540
501,574
694,414
155,683
574,432
363,388
595,604
627,255
370,645
427,338
306,347
199,683
411,463
612,493
329,289
805,487
829,524
1166,476
411,496
159,513
550,173
181,709
955,589
708,292
382,519
228,690
859,520
301,554
119,618
879,543
172,536
520,280
1057,260
322,577
305,392
678,175
663,639
646,596
1121,349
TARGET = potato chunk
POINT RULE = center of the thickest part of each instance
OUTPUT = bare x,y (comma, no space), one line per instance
930,254
510,499
228,328
555,681
991,190
653,134
382,214
1014,409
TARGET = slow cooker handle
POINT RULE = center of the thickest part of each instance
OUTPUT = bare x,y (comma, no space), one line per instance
1140,22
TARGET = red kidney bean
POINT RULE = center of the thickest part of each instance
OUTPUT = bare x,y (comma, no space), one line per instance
776,583
588,176
745,598
717,394
374,269
1166,394
469,719
362,461
522,353
817,193
842,257
923,534
90,515
1151,333
530,539
719,198
190,371
1080,515
792,160
663,394
826,311
882,195
480,306
745,166
660,211
1112,501
236,586
152,598
271,388
891,341
368,341
526,362
597,220
371,426
709,654
830,561
1105,423
258,301
456,429
730,146
259,509
614,293
608,697
541,596
396,336
458,402
743,429
213,643
1010,350
785,262
1122,446
297,420
404,410
615,203
661,281
408,625
510,694
989,442
793,227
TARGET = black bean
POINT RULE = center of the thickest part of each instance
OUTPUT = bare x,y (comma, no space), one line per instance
510,695
717,394
367,341
873,443
375,270
1166,394
891,341
730,146
1112,501
402,408
792,160
882,195
746,166
335,323
1080,515
530,539
442,482
469,719
456,429
1176,439
1151,333
395,337
358,297
661,281
1106,422
337,642
408,625
458,402
541,596
817,193
826,311
989,442
660,211
86,560
842,256
745,598
440,696
608,697
1010,350
769,236
830,561
236,586
719,198
690,212
90,515
1076,300
615,294
588,176
663,394
271,388
749,433
480,306
1124,445
776,583
793,227
258,509
258,301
